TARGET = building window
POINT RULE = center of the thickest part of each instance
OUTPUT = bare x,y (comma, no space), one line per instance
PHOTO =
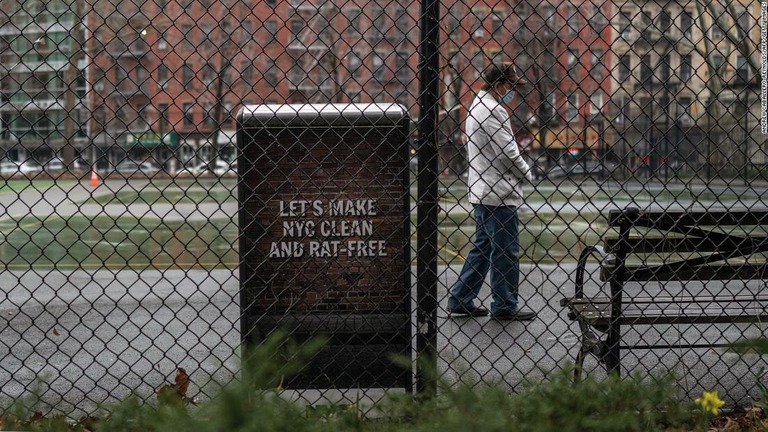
686,23
478,26
646,72
685,68
717,61
206,27
378,20
454,21
625,67
596,103
550,107
597,67
572,111
353,64
208,114
189,114
297,25
271,27
478,62
625,27
665,21
187,74
246,32
141,118
742,70
597,19
208,73
248,72
573,20
186,36
270,74
162,44
401,64
716,32
497,21
402,23
664,68
162,117
379,68
745,21
227,108
622,109
645,19
573,57
296,75
354,21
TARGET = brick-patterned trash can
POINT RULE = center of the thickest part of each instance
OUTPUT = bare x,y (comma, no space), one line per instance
324,237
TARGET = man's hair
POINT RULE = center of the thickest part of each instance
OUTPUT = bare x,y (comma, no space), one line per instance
500,73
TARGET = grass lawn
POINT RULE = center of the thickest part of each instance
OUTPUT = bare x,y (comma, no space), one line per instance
79,241
82,242
18,185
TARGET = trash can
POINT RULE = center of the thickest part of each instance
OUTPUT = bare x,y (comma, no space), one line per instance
324,243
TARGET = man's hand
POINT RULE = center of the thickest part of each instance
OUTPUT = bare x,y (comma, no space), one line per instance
529,176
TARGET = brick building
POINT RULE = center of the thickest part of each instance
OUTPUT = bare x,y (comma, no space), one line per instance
564,49
159,71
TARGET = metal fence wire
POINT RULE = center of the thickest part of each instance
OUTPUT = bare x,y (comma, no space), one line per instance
138,236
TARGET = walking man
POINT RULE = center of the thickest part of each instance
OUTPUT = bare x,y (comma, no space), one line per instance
496,173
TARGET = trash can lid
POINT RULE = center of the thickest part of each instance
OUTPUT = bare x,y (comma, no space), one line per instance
303,115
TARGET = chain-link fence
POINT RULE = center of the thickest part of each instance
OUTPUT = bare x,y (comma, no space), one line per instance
137,236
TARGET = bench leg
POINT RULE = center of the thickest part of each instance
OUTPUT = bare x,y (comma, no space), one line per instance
579,364
612,358
590,344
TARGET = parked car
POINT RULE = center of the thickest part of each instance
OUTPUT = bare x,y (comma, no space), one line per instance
29,167
13,168
130,167
581,169
9,168
221,167
224,168
54,165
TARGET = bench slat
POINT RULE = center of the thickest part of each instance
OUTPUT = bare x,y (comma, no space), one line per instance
676,244
640,273
599,314
669,299
698,218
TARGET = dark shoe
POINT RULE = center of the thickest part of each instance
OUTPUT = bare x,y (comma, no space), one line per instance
520,315
474,311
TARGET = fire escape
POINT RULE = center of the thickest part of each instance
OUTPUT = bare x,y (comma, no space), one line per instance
313,76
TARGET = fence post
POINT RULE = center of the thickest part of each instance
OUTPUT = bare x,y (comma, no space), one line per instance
426,217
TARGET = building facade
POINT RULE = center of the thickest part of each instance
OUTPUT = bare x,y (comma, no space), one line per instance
40,57
563,49
677,67
169,78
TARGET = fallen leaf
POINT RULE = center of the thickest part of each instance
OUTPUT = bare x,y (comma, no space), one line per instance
177,392
181,382
56,332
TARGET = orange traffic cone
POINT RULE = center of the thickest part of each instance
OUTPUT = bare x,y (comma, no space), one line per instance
94,178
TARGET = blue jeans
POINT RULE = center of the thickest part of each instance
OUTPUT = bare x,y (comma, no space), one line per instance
496,247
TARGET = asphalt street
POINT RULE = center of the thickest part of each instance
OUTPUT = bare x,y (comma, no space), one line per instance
85,337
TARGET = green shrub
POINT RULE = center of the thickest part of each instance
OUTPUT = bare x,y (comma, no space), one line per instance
255,404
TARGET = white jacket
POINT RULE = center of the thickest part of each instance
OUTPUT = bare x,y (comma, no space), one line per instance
496,167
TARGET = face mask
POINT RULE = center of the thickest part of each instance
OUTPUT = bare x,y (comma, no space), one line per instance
508,96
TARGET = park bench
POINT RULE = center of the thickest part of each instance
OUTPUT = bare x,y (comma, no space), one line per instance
661,247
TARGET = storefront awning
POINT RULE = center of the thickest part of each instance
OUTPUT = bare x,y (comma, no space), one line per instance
152,139
567,137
